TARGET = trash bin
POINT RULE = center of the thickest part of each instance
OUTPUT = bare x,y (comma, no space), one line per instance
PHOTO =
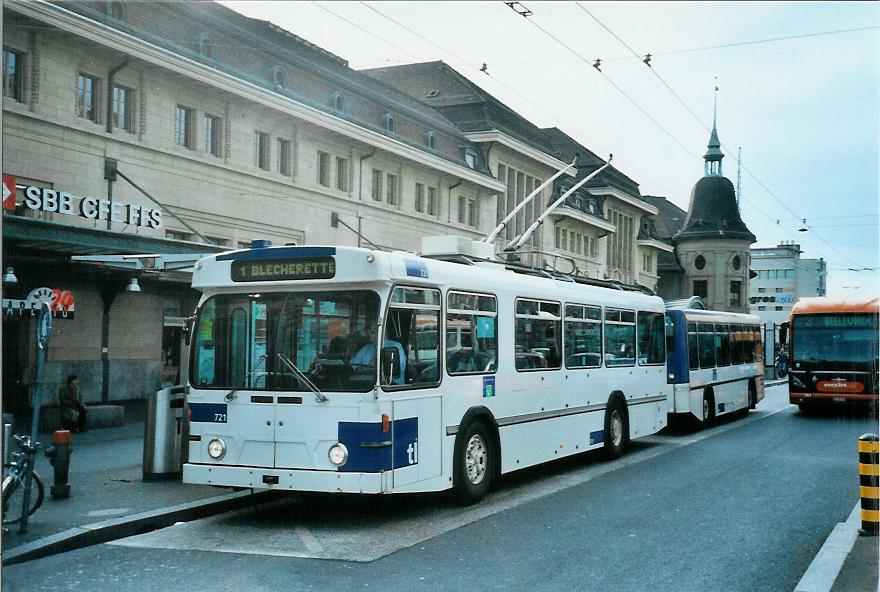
164,431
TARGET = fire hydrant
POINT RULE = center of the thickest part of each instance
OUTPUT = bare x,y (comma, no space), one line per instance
59,456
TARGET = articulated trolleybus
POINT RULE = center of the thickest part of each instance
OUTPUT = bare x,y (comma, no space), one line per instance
715,362
341,369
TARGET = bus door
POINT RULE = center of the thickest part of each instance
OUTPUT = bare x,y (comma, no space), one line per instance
416,439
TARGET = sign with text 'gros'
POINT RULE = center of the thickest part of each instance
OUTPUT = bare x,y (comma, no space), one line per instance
308,268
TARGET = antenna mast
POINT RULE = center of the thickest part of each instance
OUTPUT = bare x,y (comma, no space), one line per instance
738,174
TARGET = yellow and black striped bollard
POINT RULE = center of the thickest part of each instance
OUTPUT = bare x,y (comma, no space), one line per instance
869,483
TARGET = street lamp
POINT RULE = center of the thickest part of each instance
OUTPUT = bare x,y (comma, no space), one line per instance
9,276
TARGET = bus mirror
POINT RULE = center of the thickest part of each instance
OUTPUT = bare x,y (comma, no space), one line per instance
390,364
187,328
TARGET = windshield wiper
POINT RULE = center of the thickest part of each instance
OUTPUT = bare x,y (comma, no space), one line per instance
319,396
234,392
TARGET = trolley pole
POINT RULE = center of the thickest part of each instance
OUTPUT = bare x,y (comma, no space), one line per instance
869,483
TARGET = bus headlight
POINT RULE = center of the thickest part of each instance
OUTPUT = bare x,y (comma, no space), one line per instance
797,382
216,448
338,454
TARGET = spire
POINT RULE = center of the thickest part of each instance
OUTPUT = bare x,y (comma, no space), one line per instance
714,155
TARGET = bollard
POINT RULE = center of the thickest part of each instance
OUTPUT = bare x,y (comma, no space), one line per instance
869,483
59,456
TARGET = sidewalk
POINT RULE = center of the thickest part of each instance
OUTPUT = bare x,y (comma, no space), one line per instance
109,498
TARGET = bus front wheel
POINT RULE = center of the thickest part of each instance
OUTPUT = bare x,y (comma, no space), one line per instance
474,464
615,430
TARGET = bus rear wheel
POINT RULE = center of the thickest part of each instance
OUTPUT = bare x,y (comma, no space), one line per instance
615,430
708,407
474,465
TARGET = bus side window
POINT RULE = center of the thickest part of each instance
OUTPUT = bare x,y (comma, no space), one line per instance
471,333
693,347
651,338
707,345
415,330
537,335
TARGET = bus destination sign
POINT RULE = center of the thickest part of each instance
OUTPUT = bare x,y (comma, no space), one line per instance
309,268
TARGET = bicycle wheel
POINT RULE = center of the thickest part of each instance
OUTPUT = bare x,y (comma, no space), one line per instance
12,505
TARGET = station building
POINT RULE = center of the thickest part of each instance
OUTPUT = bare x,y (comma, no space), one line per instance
181,127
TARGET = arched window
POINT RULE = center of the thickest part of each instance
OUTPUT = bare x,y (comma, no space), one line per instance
388,122
736,263
700,262
206,46
339,102
431,140
279,78
116,10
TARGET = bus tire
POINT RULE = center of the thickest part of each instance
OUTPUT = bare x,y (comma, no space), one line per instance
616,429
474,466
708,407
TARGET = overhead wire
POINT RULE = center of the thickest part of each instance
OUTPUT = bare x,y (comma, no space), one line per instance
506,87
697,118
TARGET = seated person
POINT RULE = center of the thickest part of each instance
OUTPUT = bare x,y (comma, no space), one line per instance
366,356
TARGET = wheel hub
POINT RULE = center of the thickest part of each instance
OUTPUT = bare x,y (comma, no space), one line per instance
616,428
475,459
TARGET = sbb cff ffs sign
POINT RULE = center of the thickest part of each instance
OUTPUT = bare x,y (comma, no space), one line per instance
311,268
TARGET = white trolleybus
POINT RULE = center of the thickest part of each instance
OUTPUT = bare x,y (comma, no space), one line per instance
715,362
341,369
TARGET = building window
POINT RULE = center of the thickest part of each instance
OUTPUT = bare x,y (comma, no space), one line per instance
701,288
206,47
762,290
87,97
789,274
279,78
470,158
735,293
377,185
593,247
122,107
779,290
762,308
472,212
212,135
700,262
284,157
219,241
388,123
261,150
431,140
736,263
432,201
13,67
341,174
391,190
777,308
420,197
462,209
116,11
338,102
646,262
183,126
467,211
323,169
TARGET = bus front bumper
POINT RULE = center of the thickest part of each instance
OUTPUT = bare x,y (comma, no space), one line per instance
285,479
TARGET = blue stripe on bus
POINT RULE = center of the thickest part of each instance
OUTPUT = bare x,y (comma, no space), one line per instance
208,412
597,437
277,253
677,359
372,451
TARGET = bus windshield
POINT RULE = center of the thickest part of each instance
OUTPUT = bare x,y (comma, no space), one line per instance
833,338
250,341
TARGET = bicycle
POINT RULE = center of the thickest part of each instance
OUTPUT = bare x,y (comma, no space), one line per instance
15,478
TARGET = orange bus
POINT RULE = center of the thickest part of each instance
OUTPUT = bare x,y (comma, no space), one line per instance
833,351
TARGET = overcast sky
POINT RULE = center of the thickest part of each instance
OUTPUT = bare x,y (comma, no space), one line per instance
805,110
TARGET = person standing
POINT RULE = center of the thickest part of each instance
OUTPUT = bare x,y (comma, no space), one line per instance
73,410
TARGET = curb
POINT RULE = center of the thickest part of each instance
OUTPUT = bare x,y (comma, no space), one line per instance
826,566
117,528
